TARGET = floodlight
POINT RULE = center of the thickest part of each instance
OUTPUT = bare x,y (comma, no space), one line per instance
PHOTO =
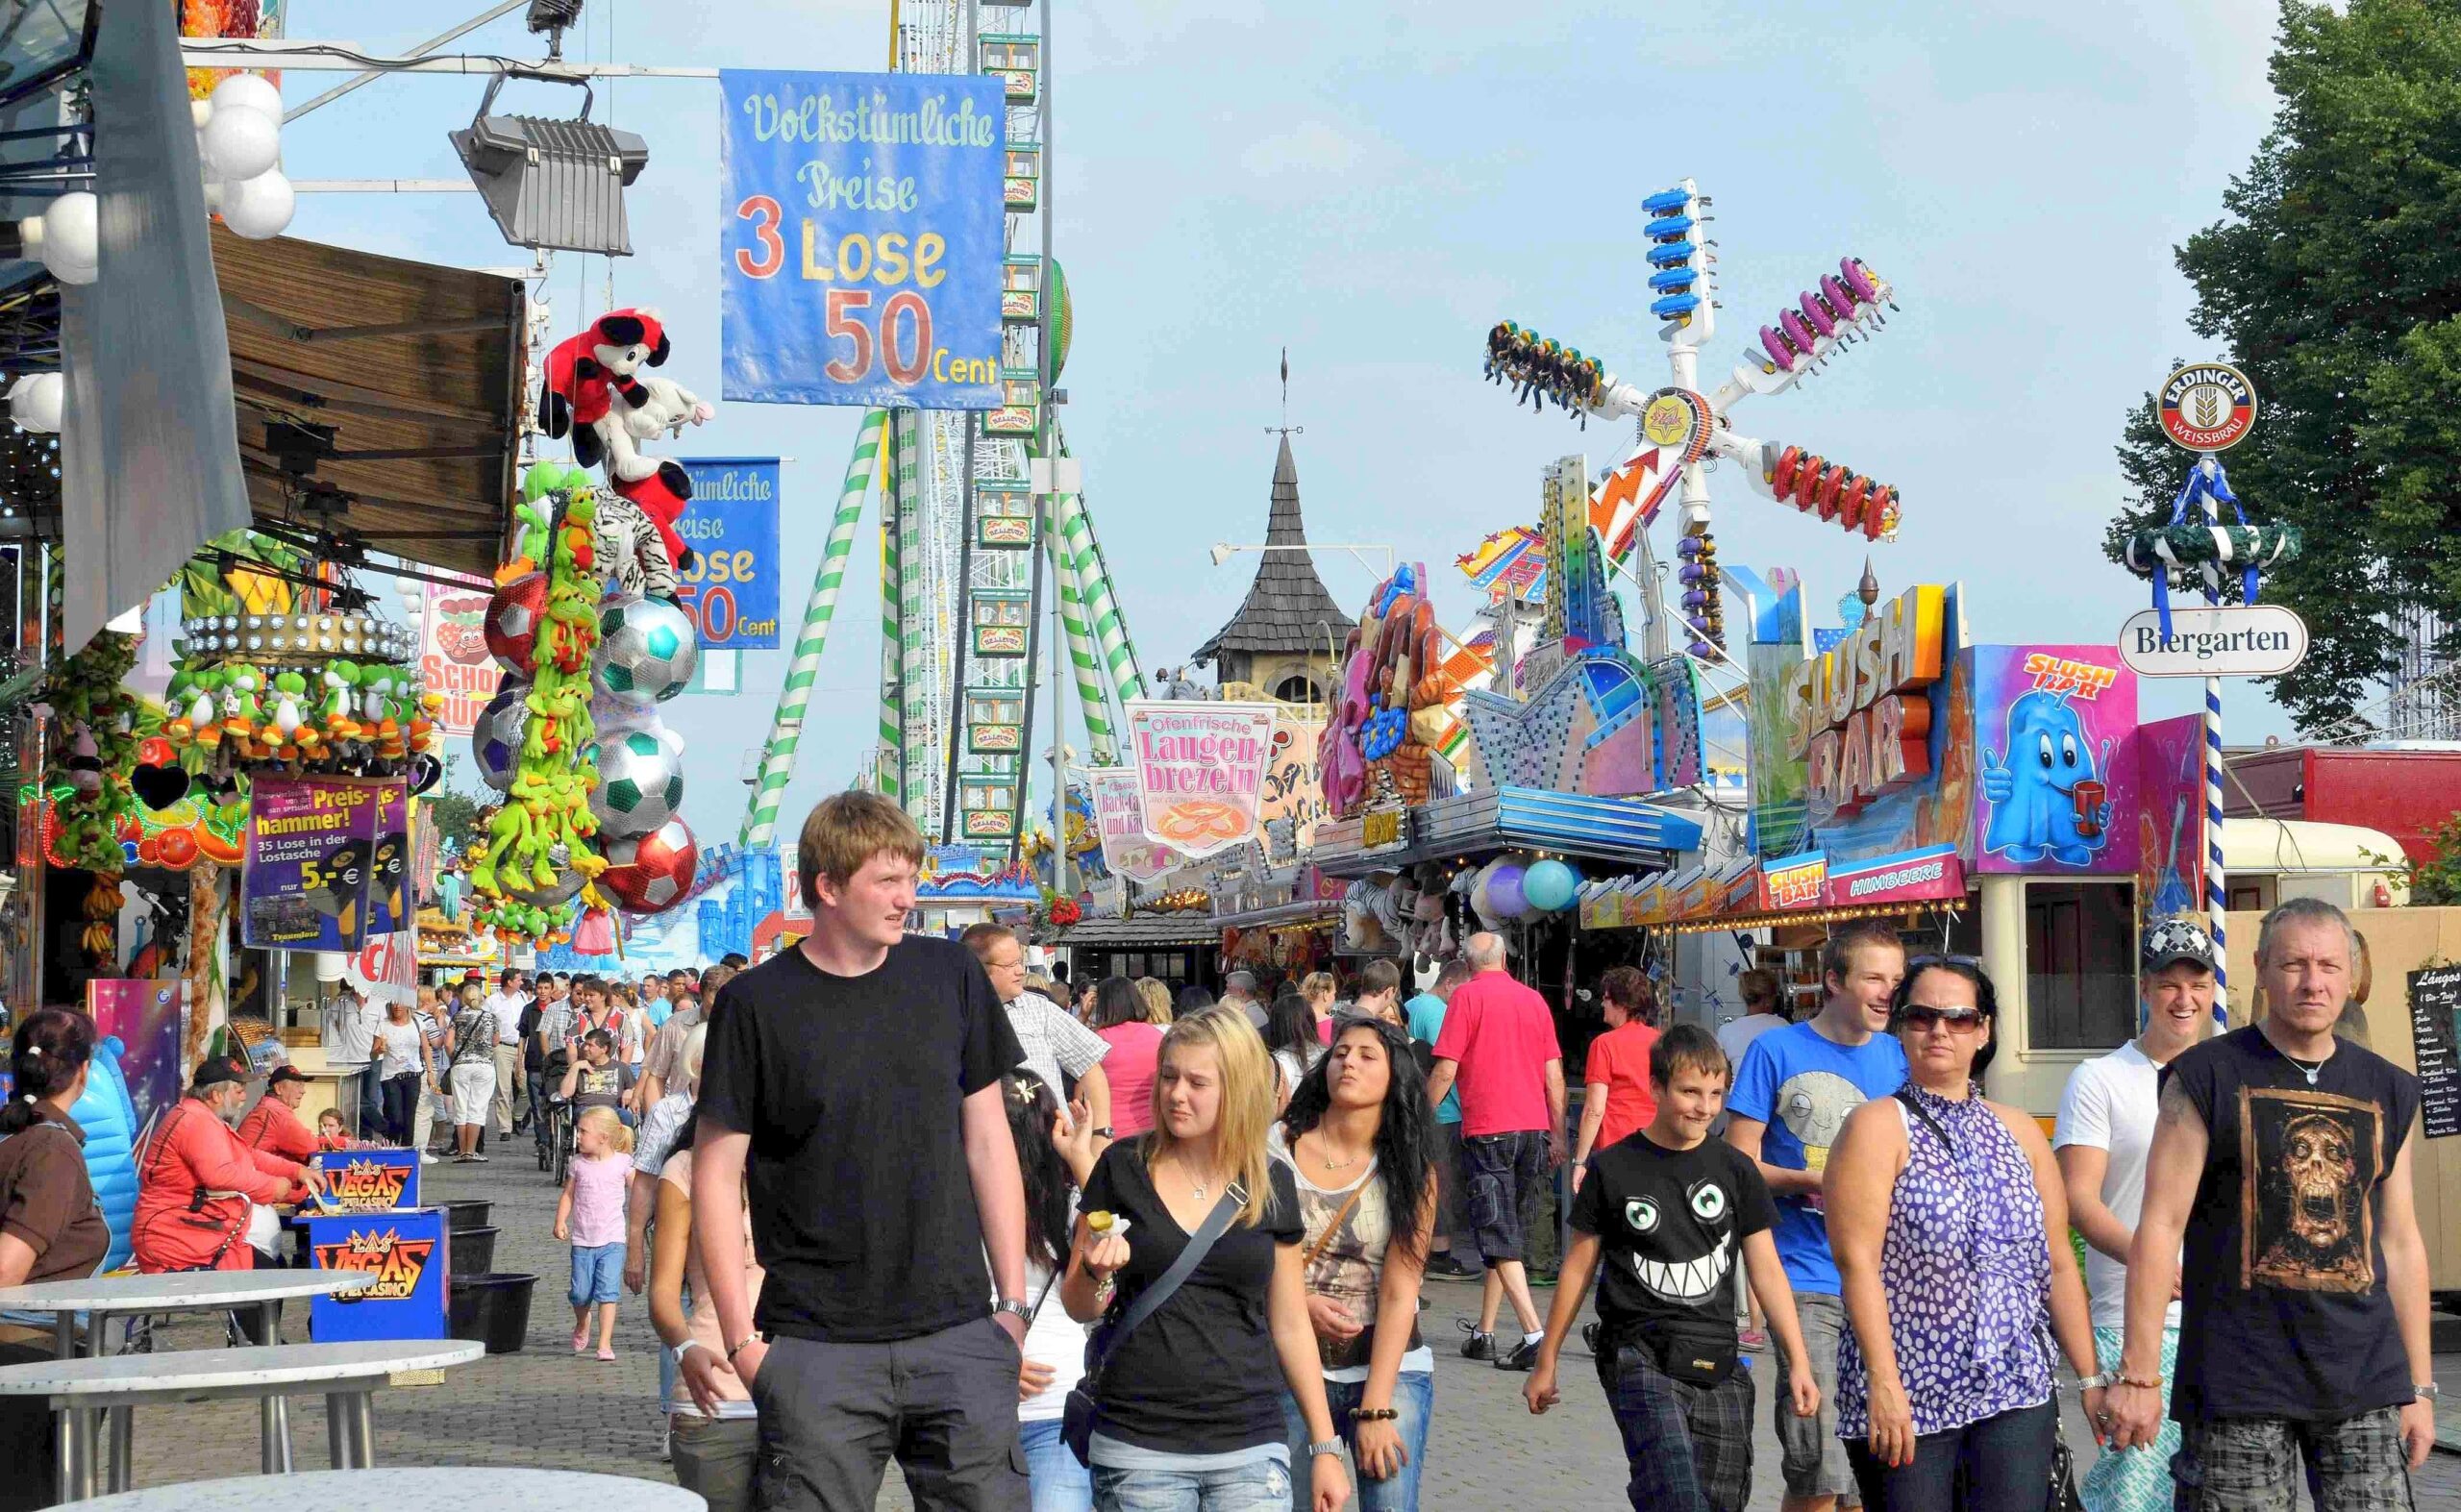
553,183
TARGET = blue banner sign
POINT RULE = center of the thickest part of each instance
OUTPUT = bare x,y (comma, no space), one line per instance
861,237
409,1252
731,589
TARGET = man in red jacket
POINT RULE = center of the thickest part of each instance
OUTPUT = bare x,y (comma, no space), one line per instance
195,1180
274,1125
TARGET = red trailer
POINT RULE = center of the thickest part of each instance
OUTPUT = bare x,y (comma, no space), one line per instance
2406,794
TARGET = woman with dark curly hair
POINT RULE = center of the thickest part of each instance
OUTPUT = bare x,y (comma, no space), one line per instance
1359,1138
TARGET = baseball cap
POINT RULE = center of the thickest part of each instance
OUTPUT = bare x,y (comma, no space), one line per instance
283,1074
216,1070
2168,941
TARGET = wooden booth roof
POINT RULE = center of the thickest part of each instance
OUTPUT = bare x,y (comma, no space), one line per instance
418,369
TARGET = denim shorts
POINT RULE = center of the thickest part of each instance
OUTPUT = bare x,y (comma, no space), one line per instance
598,1274
1500,1172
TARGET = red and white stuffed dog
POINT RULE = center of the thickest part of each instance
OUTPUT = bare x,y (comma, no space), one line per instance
585,372
660,486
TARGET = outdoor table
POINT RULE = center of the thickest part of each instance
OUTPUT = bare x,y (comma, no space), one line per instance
103,1296
465,1489
347,1373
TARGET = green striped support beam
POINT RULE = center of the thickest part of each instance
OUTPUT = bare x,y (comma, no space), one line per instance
785,729
1090,698
890,766
1110,631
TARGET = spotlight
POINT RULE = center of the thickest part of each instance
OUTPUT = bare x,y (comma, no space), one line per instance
553,183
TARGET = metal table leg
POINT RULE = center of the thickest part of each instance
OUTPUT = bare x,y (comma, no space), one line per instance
273,1435
121,1425
337,1431
64,1466
363,1429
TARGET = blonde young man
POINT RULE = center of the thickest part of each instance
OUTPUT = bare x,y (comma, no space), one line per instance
863,1067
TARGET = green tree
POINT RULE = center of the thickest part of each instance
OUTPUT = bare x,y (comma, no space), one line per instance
454,815
2437,883
2335,283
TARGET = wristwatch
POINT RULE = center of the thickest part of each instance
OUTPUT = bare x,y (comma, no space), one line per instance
1328,1447
1011,1305
2427,1391
686,1348
1104,1131
2097,1382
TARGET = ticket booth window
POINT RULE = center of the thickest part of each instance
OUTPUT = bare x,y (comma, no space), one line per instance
2080,964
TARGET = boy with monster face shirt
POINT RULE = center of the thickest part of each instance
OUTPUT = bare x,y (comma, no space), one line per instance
1672,1211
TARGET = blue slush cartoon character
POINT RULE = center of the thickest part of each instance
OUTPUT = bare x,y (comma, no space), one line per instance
2034,813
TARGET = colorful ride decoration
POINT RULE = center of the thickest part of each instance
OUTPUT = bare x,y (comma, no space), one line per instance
271,673
591,777
1684,428
1392,709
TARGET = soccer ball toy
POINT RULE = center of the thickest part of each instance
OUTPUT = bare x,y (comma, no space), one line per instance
649,872
495,739
513,617
640,784
646,648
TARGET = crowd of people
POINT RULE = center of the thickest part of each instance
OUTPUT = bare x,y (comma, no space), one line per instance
1105,1245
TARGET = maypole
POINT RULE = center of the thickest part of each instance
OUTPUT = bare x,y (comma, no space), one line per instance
890,762
785,728
2204,408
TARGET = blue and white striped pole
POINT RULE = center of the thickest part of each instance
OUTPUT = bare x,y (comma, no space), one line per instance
2216,888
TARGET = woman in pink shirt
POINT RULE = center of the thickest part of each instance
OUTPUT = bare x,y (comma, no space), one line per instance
1137,1045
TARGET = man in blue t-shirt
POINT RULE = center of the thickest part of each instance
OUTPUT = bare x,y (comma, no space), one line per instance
1791,1097
1425,1013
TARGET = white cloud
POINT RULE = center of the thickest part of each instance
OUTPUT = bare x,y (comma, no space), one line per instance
1308,148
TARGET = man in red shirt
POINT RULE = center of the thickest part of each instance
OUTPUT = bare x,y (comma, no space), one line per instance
1616,1098
1499,1045
274,1125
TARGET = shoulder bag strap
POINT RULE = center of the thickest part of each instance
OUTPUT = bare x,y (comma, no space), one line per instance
1928,1121
1200,1244
1341,1214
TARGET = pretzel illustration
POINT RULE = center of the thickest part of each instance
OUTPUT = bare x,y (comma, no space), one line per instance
1198,820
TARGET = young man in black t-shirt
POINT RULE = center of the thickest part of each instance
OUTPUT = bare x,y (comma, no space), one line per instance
854,1082
2281,1157
1672,1210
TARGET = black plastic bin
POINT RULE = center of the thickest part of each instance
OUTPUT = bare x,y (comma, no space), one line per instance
491,1308
469,1213
472,1251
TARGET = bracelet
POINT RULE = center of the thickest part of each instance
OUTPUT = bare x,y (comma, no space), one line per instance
1375,1414
1328,1447
2124,1378
742,1345
2097,1382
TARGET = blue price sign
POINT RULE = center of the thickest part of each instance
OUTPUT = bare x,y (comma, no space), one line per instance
731,589
861,237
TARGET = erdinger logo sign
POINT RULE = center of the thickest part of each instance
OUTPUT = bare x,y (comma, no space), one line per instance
398,1263
1857,715
369,1186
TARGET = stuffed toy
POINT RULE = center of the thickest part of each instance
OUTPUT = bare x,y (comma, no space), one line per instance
585,371
632,553
660,488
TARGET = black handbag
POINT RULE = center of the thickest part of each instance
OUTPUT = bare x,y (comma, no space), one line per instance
1077,1421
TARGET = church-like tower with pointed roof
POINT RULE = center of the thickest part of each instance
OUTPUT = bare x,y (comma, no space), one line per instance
1287,637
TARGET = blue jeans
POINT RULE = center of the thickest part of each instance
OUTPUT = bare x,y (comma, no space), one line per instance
598,1274
1060,1484
1413,1395
1259,1486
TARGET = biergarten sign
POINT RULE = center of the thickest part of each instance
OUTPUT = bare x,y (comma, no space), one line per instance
2231,640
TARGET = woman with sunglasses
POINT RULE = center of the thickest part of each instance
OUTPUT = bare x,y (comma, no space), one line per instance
1950,1224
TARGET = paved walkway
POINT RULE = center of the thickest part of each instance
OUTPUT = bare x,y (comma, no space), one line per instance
544,1407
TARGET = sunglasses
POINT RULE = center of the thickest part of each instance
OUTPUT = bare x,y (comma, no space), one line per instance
1921,1016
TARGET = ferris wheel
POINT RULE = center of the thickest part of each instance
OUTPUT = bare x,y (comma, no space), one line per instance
971,519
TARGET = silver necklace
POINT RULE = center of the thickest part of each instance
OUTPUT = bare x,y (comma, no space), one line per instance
2311,1071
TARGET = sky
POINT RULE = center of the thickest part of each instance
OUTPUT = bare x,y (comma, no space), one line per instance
1373,187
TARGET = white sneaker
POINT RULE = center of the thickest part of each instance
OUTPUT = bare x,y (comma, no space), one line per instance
426,1159
666,1445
